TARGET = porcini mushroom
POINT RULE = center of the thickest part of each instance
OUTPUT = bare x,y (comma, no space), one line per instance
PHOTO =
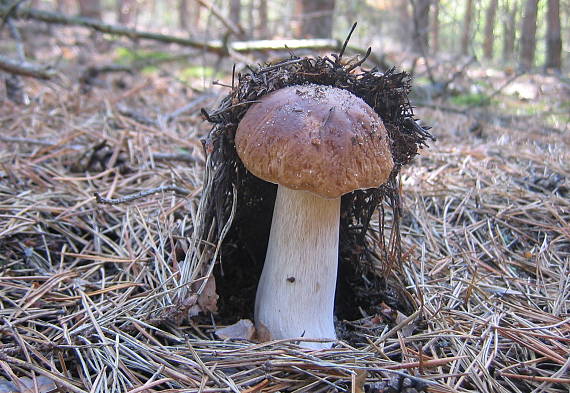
317,143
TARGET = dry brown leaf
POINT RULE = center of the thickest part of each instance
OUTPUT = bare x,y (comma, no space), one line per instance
388,311
207,300
358,381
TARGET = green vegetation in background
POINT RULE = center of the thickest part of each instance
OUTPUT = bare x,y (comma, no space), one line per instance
128,56
471,99
194,72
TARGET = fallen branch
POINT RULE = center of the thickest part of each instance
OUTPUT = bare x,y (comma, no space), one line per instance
214,46
25,68
261,45
57,18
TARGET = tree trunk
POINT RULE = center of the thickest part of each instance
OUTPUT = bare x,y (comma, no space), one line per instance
509,35
125,11
405,23
64,6
351,12
489,27
90,9
467,22
263,27
250,19
183,15
189,15
235,11
528,35
316,18
553,36
421,25
435,27
297,19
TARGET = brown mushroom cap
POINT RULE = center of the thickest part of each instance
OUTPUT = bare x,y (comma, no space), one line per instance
316,138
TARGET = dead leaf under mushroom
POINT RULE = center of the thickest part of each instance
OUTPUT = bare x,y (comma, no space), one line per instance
242,329
207,300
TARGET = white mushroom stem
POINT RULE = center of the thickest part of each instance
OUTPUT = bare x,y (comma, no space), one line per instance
295,295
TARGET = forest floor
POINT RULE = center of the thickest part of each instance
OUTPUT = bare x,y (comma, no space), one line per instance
84,285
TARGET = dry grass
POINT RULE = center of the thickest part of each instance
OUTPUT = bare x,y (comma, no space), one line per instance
83,285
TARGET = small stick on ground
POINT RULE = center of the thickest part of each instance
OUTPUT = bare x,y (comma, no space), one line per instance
25,68
141,194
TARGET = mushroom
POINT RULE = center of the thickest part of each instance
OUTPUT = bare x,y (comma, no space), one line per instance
317,143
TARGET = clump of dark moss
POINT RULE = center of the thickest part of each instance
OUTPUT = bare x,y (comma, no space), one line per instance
366,254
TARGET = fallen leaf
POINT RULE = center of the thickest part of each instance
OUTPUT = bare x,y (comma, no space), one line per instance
388,311
262,333
242,329
376,320
207,300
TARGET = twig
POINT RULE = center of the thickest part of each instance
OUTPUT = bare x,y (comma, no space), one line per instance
361,61
57,18
188,107
26,68
185,157
262,45
537,378
149,385
135,115
141,194
233,28
346,41
28,141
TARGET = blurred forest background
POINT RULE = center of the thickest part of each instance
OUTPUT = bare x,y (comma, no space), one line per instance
513,36
524,34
